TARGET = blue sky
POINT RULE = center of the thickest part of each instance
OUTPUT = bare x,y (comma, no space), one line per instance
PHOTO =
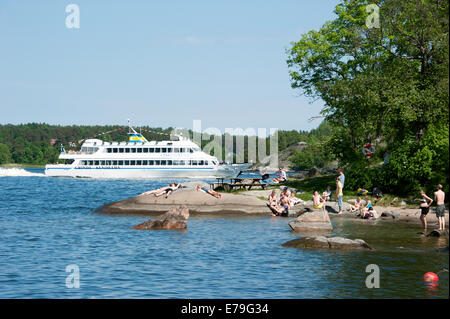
159,63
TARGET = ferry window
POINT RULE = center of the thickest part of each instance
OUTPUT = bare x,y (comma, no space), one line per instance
108,162
132,162
151,163
191,150
214,162
139,150
206,162
82,163
109,150
163,162
176,150
156,162
114,163
157,150
127,150
120,150
127,162
151,150
144,162
194,162
138,162
183,162
182,150
96,163
114,150
169,150
102,162
201,163
133,150
169,162
91,163
145,150
120,162
164,150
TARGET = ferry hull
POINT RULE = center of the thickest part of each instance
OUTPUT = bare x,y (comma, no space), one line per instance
136,172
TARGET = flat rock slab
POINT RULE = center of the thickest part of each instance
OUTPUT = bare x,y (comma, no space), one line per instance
197,202
314,220
173,219
322,242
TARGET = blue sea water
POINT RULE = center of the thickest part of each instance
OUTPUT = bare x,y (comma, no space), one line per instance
47,224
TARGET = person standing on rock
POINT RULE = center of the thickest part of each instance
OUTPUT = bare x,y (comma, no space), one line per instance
439,196
425,204
339,194
341,177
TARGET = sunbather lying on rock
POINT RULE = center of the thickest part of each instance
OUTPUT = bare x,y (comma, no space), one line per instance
208,191
158,190
169,190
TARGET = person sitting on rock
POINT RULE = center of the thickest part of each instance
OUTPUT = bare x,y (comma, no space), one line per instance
326,195
173,187
294,200
318,201
282,177
366,208
371,214
283,208
273,199
209,191
357,206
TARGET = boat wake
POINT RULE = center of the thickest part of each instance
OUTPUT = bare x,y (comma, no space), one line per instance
18,172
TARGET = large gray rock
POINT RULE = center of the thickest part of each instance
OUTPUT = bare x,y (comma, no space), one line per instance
322,242
173,219
197,202
314,220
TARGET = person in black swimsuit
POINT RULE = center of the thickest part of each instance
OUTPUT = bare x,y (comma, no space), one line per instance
425,204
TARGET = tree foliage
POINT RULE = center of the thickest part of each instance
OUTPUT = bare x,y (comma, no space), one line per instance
386,86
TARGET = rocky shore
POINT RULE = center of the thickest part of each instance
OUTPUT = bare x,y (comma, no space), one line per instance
242,203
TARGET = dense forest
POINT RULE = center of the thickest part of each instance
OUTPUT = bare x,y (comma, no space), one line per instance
41,143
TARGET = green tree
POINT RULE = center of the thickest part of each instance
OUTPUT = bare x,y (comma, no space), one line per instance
381,85
5,154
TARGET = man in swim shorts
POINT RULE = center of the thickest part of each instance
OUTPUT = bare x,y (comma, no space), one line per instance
439,196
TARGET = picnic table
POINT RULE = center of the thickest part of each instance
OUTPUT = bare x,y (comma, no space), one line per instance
246,183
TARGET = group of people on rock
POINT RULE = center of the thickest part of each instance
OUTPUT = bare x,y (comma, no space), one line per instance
366,211
319,200
280,204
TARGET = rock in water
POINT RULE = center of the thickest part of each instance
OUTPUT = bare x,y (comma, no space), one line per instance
315,220
323,242
392,214
438,233
174,219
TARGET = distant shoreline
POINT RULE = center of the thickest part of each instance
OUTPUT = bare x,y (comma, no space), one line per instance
15,165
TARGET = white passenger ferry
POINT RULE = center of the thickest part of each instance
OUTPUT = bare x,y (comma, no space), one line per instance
138,158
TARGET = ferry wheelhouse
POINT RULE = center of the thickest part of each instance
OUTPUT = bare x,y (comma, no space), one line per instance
137,158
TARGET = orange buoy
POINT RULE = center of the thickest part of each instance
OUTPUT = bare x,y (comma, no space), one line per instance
430,277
